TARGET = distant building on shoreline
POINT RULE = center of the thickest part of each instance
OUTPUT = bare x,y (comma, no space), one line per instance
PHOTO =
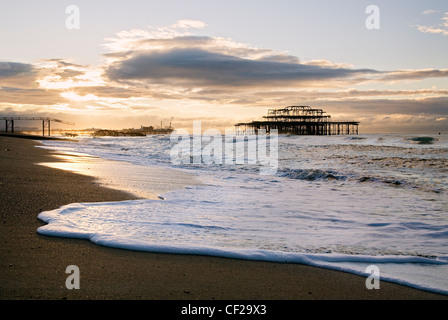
298,120
143,131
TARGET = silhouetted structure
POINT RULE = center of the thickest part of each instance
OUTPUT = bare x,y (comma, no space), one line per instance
9,122
300,120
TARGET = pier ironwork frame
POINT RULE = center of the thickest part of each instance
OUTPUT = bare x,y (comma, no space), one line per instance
299,120
9,123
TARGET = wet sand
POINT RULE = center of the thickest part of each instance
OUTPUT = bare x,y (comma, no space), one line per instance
33,266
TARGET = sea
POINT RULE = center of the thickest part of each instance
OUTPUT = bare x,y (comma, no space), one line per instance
374,205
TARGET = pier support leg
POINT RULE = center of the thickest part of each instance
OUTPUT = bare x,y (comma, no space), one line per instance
9,124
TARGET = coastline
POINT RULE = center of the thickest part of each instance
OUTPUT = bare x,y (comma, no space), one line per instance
33,266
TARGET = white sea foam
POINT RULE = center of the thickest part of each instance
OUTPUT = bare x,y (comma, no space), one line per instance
335,202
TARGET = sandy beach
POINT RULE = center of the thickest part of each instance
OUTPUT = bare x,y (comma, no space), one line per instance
33,266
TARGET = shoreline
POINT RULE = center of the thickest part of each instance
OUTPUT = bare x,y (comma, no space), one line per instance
33,266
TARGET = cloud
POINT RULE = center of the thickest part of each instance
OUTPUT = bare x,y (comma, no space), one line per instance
16,74
187,24
198,67
13,69
128,40
169,60
441,28
416,74
41,97
433,30
19,85
401,123
430,11
417,106
64,74
334,95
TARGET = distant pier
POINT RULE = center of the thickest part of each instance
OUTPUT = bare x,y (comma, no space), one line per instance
299,120
9,122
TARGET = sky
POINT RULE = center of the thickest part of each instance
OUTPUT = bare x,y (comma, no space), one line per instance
123,64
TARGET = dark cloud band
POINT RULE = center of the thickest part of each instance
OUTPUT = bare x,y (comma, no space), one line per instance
204,68
12,69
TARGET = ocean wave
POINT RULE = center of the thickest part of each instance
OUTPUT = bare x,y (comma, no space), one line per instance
394,182
311,174
333,175
355,138
423,140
